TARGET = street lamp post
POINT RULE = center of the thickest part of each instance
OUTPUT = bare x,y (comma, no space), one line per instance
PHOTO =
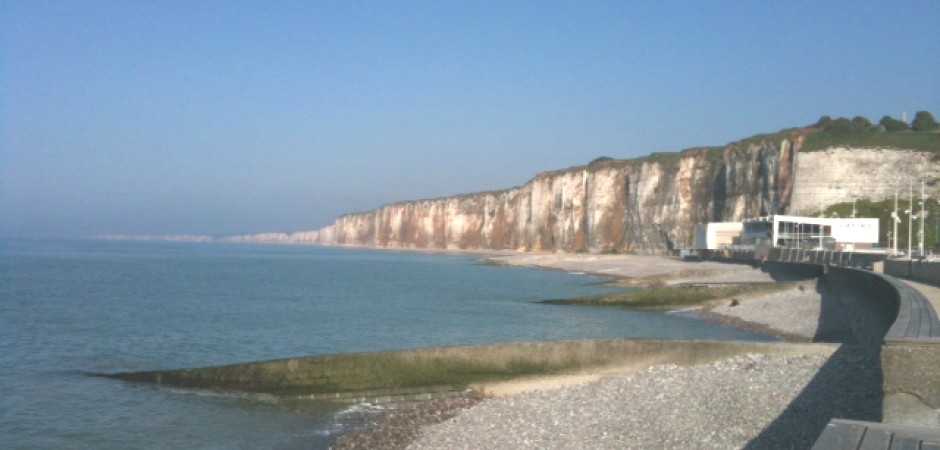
910,230
896,220
910,220
923,200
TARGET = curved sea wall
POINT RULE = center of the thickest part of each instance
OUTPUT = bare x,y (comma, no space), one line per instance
881,313
910,359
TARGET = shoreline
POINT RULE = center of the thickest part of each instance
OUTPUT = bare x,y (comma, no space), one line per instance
635,270
708,314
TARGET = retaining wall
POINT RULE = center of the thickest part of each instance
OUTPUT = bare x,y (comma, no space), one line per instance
911,353
896,320
918,270
870,302
889,317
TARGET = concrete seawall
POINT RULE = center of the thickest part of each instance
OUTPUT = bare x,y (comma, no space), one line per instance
884,315
914,269
868,302
911,364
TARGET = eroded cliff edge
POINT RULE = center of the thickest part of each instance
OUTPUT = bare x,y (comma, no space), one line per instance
643,205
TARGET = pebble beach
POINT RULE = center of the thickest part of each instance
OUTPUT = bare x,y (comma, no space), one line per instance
751,401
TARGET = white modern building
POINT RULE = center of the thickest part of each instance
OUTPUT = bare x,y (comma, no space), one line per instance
811,232
716,235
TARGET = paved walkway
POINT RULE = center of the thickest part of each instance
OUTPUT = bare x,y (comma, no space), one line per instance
931,292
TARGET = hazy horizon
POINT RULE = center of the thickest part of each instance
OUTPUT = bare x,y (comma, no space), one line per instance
212,118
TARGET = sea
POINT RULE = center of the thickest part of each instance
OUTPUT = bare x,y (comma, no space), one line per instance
71,308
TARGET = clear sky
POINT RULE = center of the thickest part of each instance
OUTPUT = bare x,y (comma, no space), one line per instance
225,117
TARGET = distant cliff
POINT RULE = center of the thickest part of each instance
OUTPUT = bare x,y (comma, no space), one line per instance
643,205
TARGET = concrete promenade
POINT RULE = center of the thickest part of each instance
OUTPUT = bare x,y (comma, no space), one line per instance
932,293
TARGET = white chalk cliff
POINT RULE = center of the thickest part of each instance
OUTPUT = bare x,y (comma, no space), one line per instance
644,205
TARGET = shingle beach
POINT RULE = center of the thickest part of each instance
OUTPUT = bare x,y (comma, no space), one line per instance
751,401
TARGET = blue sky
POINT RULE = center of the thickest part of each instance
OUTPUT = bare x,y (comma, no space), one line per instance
203,117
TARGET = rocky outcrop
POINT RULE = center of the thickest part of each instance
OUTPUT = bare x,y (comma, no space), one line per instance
644,205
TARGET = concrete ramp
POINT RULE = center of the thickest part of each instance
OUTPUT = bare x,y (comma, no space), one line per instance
350,377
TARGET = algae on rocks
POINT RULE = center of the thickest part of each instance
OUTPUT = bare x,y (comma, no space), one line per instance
672,297
453,369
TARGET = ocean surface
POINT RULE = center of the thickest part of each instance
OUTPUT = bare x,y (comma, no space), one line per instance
69,308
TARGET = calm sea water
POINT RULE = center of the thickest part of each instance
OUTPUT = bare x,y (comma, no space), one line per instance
68,308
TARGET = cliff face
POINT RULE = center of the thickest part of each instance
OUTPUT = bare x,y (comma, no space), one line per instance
639,206
843,174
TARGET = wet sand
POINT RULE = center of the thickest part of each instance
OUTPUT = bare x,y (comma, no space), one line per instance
638,267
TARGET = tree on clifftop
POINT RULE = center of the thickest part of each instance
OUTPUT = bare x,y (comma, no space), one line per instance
924,121
860,123
840,125
843,125
601,160
892,124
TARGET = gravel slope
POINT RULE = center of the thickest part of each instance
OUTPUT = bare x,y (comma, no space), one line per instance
752,401
792,314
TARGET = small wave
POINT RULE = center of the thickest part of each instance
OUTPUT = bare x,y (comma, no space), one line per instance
684,310
350,419
256,396
361,409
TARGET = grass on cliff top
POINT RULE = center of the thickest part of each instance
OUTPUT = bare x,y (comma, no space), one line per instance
817,140
672,297
924,141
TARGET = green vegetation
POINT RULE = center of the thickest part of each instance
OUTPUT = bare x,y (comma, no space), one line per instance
923,141
889,133
340,377
921,135
671,297
455,367
600,161
892,124
883,209
924,121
